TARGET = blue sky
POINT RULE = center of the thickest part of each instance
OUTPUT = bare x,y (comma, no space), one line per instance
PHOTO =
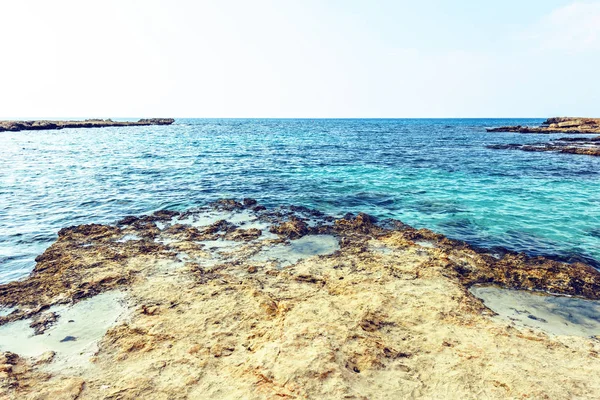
378,58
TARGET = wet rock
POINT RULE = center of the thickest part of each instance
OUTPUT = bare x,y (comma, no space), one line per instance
227,205
394,225
90,232
128,220
220,226
518,271
362,223
186,232
165,215
249,203
294,228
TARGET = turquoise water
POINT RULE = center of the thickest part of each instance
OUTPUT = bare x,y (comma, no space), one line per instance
428,173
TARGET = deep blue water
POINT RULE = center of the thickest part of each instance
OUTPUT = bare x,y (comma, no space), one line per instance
428,173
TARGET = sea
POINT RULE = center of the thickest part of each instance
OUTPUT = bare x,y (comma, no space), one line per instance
429,173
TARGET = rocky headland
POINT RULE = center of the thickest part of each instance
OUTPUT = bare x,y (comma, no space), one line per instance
556,125
16,126
234,300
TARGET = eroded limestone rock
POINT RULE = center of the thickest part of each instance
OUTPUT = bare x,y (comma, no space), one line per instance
387,314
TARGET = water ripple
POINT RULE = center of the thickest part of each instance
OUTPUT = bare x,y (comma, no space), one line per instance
429,173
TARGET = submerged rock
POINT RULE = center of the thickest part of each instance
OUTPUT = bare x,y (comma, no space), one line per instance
583,146
344,309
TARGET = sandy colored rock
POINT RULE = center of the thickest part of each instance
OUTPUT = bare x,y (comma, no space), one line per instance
387,316
294,228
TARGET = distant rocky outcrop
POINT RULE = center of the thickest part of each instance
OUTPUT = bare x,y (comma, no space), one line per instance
556,125
15,126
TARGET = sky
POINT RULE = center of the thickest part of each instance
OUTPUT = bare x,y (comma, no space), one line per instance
299,59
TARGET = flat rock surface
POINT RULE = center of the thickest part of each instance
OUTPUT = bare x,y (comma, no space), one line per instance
379,310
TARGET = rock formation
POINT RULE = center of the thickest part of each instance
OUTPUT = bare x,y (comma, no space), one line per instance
387,314
16,126
556,125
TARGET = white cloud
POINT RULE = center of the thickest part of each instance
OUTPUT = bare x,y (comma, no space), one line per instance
572,28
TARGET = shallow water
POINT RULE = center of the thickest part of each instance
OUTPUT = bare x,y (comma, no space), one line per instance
73,337
4,311
559,315
286,254
428,173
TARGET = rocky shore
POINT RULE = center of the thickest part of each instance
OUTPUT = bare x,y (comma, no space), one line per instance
585,146
15,126
234,300
556,125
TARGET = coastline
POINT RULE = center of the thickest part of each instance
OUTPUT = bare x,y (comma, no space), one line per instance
213,309
16,126
556,125
582,146
566,145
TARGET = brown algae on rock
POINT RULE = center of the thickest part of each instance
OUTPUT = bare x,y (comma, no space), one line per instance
234,300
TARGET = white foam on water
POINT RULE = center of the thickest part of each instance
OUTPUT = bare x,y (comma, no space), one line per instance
299,249
314,222
558,315
86,322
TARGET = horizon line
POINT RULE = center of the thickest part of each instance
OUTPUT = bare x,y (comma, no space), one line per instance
313,118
